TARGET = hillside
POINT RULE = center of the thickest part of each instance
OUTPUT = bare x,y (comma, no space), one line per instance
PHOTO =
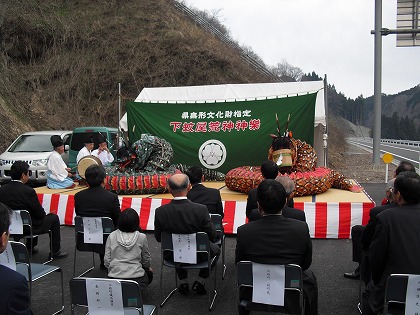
61,61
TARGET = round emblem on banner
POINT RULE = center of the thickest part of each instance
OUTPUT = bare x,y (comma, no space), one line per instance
212,154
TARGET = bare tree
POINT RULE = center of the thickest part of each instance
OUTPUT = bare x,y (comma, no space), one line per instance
285,69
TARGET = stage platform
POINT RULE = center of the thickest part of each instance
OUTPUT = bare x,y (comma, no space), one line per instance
329,215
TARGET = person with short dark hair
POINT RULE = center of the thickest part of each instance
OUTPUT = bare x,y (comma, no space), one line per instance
269,170
182,216
127,253
288,212
14,291
58,174
18,196
275,239
102,152
96,201
404,166
87,149
210,197
396,243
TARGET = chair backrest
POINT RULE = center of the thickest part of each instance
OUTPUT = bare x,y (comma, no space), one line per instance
131,292
202,241
293,285
21,252
26,222
107,228
218,224
395,293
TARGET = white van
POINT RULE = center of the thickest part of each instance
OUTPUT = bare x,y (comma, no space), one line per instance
34,148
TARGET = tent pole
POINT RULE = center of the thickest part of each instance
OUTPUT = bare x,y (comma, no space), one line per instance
119,116
325,135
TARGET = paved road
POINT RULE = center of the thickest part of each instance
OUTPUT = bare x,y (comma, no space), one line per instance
399,151
331,258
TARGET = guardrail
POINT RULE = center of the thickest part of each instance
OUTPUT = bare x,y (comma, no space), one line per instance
210,28
405,142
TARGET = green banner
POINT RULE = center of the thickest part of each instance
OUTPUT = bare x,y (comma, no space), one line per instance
224,135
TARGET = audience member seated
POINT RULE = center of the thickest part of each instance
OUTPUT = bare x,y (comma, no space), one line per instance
18,196
14,291
102,152
357,230
277,240
269,170
58,174
182,216
127,253
288,212
395,246
361,237
95,201
210,197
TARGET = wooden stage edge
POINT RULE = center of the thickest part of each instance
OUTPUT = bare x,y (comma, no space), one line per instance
329,215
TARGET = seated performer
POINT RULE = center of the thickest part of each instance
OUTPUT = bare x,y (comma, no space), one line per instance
210,197
86,150
127,253
58,175
102,152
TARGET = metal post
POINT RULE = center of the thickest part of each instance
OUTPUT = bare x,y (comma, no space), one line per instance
325,136
377,84
119,116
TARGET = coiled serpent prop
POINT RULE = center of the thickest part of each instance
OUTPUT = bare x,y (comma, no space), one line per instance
296,159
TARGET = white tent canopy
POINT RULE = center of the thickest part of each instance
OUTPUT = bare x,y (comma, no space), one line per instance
241,92
232,92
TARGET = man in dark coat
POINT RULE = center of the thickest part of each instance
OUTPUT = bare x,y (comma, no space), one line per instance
14,291
182,216
269,170
210,197
96,201
17,196
275,239
287,212
395,246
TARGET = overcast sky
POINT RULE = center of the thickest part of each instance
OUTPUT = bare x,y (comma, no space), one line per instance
329,37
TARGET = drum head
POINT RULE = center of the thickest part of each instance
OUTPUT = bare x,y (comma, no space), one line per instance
85,162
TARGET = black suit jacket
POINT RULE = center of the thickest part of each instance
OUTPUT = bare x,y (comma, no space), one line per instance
209,197
183,217
14,293
97,202
369,230
275,240
394,248
287,212
18,196
251,202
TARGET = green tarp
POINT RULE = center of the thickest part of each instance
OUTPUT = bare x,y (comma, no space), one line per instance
222,135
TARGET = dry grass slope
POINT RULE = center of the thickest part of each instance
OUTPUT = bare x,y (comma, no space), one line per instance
61,61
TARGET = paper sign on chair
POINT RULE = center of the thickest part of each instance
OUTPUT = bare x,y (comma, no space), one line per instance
185,248
104,297
268,284
16,224
7,258
92,230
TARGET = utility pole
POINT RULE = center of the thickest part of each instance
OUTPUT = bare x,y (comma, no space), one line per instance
377,79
